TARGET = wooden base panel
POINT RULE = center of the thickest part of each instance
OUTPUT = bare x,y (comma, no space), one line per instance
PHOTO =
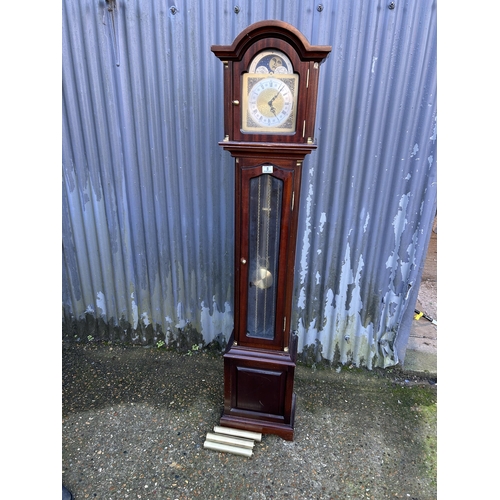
285,431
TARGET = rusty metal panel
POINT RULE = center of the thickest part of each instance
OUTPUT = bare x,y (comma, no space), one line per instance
148,193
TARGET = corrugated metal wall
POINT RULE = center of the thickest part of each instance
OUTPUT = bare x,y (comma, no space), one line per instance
148,193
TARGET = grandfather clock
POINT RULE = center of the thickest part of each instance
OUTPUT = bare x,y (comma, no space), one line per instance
271,76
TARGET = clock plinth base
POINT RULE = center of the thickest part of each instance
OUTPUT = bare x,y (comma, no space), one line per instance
258,390
284,431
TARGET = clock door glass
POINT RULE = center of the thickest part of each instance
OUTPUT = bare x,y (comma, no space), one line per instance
266,194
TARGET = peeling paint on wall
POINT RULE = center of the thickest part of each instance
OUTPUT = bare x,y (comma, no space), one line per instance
135,313
217,323
305,238
342,337
365,226
322,222
101,304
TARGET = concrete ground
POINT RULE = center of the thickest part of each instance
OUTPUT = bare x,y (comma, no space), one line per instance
135,420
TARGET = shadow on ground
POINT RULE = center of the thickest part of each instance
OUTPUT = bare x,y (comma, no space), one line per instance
135,419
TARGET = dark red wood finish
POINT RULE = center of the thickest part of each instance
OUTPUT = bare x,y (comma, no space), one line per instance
305,59
259,373
258,390
289,171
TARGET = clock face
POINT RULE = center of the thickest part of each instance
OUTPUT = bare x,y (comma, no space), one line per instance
269,103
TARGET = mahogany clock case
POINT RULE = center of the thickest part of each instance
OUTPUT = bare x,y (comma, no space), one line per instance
259,363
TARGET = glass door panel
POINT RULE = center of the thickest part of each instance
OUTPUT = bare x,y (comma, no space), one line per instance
266,198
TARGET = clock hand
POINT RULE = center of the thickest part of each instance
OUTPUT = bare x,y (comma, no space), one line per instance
273,109
277,94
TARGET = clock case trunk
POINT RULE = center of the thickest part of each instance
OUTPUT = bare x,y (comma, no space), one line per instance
259,372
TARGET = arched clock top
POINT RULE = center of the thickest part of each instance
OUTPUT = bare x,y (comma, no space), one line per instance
266,30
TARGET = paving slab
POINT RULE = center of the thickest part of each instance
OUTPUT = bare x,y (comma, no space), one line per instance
421,362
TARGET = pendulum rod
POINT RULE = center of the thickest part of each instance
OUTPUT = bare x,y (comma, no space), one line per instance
257,257
266,217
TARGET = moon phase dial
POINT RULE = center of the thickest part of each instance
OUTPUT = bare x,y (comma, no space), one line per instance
271,61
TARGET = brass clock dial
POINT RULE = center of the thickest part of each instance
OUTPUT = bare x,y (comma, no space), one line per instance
269,103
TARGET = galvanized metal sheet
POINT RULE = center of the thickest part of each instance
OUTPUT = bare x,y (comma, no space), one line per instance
148,193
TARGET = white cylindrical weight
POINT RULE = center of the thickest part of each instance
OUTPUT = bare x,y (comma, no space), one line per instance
235,450
256,436
233,441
